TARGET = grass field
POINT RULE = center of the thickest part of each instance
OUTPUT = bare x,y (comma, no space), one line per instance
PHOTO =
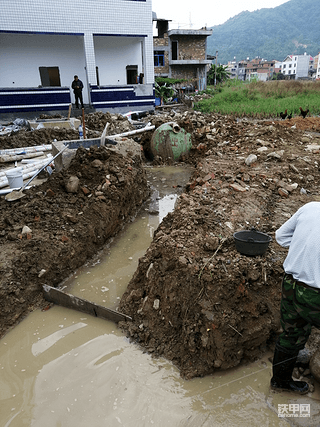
262,99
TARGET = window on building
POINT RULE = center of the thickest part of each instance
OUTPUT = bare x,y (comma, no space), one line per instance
132,74
284,65
49,76
295,64
158,58
290,65
283,72
174,48
289,71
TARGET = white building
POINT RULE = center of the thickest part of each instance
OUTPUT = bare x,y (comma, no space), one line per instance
107,43
316,66
296,66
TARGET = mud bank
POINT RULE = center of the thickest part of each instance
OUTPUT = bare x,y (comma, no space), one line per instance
194,299
67,226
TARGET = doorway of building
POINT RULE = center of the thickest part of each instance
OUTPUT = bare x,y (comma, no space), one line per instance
132,73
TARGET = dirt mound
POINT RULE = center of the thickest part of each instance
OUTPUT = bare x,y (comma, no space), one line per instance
117,122
66,226
95,123
309,123
194,298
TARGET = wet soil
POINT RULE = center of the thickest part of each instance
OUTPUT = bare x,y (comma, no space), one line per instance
194,299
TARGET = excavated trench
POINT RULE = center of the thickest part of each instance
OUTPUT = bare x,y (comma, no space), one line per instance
193,298
61,367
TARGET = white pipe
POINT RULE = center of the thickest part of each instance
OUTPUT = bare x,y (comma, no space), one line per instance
131,132
25,167
12,158
23,150
26,174
35,161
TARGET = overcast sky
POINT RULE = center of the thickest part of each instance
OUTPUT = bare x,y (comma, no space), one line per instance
206,12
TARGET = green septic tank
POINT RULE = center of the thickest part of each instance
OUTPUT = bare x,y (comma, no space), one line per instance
170,141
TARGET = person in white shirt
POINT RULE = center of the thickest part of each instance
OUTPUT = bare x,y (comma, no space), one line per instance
300,303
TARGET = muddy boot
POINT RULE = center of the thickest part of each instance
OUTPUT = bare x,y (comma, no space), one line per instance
283,364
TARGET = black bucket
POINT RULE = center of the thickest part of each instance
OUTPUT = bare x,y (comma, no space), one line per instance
251,242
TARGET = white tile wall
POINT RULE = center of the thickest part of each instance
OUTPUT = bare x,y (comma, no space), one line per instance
88,17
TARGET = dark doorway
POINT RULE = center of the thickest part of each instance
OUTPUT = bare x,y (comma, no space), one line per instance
50,76
132,74
174,50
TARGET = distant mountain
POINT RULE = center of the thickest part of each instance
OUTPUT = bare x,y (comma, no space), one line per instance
292,28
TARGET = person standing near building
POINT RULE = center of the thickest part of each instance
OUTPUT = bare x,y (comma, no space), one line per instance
77,87
300,302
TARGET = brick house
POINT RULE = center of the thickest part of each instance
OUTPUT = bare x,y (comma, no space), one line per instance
260,68
256,68
181,54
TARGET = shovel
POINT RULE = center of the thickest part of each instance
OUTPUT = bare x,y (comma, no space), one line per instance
18,194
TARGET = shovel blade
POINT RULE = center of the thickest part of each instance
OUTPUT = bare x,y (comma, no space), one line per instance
14,195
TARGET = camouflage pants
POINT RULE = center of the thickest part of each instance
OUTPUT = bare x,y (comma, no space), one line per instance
300,310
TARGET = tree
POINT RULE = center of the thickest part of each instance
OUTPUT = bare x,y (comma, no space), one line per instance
164,92
219,73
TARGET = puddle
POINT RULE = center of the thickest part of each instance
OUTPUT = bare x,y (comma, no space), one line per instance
105,278
61,368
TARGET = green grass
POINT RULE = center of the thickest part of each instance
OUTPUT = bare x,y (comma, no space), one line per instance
263,99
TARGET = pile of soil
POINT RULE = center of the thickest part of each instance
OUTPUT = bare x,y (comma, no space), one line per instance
194,299
67,225
94,122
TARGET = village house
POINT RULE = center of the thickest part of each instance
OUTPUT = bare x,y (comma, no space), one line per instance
316,66
296,66
256,68
108,44
181,54
259,68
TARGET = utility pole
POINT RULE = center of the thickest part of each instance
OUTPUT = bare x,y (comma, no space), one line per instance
215,71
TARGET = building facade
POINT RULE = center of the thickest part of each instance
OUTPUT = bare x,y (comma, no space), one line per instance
258,68
316,66
107,43
181,54
296,66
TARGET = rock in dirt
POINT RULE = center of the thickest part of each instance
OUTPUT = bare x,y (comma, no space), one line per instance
72,184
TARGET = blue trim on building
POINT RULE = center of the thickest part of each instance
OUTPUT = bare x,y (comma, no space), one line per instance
116,97
118,35
41,32
34,99
15,100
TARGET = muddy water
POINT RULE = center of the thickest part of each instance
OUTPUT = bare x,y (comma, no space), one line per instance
60,368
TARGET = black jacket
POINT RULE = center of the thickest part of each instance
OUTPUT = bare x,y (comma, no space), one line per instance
77,83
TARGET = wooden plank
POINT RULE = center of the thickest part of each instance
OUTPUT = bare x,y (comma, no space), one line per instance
70,301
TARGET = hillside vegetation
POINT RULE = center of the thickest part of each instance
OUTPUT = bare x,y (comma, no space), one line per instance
292,28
